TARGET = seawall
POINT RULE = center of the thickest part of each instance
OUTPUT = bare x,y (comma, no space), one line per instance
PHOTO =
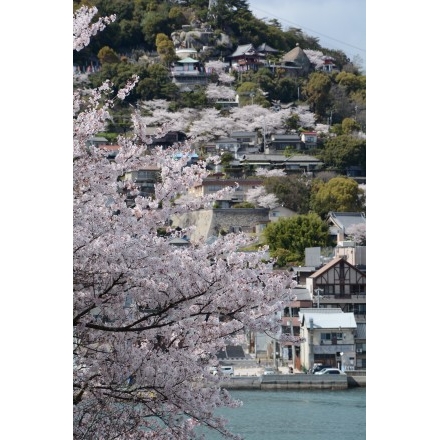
294,382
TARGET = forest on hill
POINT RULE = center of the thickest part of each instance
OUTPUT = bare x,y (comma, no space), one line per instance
128,46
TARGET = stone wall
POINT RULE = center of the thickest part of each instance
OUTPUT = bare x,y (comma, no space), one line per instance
211,222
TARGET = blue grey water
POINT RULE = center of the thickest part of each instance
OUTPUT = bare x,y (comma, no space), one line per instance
302,415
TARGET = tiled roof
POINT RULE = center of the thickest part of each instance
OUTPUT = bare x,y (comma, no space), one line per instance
241,50
266,48
325,268
344,220
302,158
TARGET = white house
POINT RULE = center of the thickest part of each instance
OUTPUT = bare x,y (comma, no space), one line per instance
329,338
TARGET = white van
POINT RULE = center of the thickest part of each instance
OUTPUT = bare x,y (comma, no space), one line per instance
227,370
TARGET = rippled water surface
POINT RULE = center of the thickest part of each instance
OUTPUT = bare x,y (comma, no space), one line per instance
302,415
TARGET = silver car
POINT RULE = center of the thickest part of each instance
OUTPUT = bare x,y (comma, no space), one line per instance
330,371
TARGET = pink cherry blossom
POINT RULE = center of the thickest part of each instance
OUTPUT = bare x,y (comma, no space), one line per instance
148,316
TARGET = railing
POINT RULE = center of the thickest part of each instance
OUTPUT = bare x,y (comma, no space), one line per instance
187,73
349,296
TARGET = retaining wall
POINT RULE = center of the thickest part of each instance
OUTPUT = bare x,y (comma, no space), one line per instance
295,382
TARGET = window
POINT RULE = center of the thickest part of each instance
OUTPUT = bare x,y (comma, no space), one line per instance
331,336
357,288
360,309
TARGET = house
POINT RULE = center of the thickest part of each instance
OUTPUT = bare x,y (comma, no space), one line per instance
246,57
227,144
328,65
291,323
279,142
165,140
97,141
339,222
329,338
292,164
309,139
169,139
280,211
340,285
180,242
145,179
188,73
246,139
265,49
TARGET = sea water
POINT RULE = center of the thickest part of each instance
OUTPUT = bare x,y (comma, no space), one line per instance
302,415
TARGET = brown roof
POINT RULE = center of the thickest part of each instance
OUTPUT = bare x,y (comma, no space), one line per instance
110,147
331,264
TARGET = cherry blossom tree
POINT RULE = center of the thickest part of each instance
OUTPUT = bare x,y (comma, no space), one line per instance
260,197
149,317
316,57
358,233
215,92
307,119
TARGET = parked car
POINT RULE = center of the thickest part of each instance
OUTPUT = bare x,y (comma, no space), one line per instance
320,367
330,371
268,371
227,370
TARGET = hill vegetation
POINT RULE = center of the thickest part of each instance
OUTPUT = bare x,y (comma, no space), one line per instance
140,42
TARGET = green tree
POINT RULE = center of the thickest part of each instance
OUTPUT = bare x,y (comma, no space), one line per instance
317,90
287,89
226,158
349,125
294,235
342,152
156,21
351,82
249,93
292,191
165,49
108,55
341,194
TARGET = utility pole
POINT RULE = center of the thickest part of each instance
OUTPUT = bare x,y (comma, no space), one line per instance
293,344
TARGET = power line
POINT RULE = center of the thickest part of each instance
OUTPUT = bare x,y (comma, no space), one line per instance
303,27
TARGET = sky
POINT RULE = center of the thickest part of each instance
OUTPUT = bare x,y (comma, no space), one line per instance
339,24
